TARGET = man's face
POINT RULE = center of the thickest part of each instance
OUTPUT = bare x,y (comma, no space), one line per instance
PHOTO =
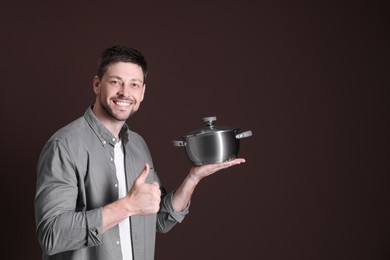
121,90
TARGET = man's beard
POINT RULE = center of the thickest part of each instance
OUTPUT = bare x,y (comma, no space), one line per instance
119,117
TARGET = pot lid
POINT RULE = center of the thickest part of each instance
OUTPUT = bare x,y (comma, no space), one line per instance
210,128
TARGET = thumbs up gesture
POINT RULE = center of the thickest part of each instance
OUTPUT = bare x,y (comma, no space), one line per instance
144,198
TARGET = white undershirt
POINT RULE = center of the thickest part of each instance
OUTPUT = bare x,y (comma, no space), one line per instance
124,226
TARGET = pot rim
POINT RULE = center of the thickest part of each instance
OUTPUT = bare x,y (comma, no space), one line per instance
209,131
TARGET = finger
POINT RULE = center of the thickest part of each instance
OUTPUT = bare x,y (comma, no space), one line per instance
239,160
212,168
234,162
230,163
156,187
144,174
156,184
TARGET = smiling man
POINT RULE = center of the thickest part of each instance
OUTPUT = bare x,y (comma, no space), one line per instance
98,195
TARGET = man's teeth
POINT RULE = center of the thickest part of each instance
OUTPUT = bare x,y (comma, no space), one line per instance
124,104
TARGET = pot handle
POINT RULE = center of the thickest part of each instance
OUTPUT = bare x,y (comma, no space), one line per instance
179,143
244,134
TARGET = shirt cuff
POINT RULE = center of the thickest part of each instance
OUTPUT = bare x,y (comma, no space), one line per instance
94,226
167,207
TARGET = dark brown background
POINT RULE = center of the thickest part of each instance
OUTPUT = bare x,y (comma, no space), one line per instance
309,79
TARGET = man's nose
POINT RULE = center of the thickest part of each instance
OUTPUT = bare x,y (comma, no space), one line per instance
125,90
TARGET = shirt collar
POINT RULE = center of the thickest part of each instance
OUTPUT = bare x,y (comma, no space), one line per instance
104,135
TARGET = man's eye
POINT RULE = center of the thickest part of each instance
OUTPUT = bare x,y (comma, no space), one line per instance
135,85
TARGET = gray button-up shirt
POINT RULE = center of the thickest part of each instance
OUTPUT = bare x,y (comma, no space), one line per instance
76,178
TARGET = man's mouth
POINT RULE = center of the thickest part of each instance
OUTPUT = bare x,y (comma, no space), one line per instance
122,103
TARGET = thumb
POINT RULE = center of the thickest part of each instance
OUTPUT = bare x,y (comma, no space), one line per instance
142,177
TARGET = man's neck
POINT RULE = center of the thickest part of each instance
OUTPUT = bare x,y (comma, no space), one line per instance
114,126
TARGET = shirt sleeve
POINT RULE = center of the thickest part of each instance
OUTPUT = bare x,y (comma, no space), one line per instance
167,217
60,226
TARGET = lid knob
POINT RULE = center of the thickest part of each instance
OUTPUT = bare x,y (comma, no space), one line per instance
209,120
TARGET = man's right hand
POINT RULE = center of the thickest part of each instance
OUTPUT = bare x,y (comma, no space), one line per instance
144,198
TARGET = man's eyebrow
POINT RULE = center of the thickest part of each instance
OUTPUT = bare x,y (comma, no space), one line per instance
140,81
115,77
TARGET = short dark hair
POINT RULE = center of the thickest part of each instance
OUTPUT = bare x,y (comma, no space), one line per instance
120,53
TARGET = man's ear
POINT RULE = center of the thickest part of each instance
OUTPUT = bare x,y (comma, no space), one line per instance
143,92
96,85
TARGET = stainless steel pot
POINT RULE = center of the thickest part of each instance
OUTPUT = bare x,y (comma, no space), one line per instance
212,144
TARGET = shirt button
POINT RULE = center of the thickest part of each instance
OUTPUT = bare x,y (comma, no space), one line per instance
117,242
104,142
116,185
113,139
111,159
95,231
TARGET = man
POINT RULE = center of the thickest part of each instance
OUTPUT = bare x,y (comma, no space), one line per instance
98,195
